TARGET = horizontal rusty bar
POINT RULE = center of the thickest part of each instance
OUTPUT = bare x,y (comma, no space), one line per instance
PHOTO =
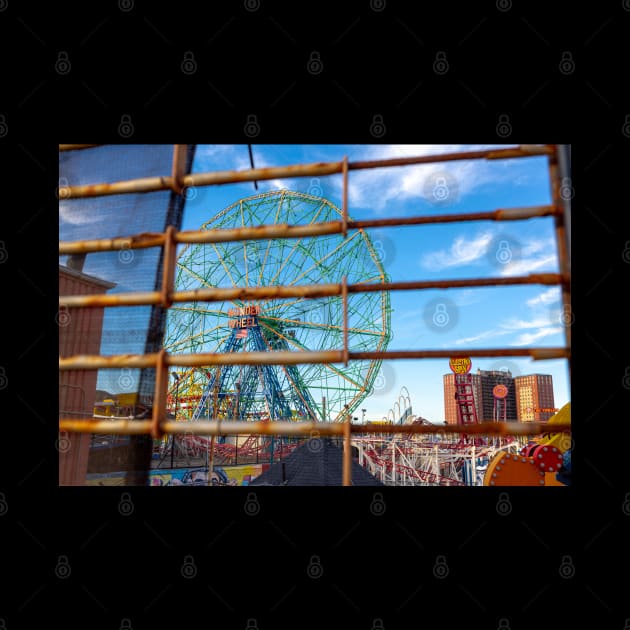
483,428
281,357
488,154
148,184
152,184
501,214
281,230
262,232
534,278
254,428
258,293
534,353
74,147
95,361
200,295
117,427
139,298
311,429
307,291
138,241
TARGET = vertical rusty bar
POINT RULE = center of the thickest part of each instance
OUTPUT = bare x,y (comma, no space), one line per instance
211,460
347,453
344,297
161,371
168,271
566,317
564,171
159,396
344,205
179,167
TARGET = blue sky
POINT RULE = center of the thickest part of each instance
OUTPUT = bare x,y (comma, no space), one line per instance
454,318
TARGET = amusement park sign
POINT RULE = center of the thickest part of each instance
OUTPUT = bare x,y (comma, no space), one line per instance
244,316
500,391
460,365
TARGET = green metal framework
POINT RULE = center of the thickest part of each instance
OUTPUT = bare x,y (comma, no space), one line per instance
296,323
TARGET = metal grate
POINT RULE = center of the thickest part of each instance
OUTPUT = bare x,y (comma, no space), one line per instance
179,180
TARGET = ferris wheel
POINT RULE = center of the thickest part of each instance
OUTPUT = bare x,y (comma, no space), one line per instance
320,392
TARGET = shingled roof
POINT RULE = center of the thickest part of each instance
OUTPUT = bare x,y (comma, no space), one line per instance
317,462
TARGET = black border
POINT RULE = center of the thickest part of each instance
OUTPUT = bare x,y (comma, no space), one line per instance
121,564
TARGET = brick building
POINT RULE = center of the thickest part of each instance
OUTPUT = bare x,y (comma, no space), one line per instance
529,397
534,393
80,332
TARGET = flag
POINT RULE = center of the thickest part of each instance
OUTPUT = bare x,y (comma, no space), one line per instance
242,333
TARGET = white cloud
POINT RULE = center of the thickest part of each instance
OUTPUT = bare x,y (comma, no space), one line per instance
523,266
407,315
277,184
221,157
535,254
488,334
538,245
466,297
462,252
545,298
527,338
523,324
374,188
77,216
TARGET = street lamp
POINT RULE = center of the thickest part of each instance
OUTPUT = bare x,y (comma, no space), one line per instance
175,375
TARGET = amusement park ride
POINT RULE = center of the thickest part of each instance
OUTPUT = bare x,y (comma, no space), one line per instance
318,392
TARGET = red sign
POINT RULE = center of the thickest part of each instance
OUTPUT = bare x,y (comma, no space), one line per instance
460,365
500,391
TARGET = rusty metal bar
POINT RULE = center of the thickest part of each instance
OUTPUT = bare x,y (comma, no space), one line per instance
159,400
347,453
500,214
151,184
537,354
566,316
139,241
344,200
213,427
260,232
483,428
118,427
309,291
168,268
490,154
179,167
344,298
283,357
211,460
563,154
169,260
93,362
74,147
283,230
534,278
135,298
